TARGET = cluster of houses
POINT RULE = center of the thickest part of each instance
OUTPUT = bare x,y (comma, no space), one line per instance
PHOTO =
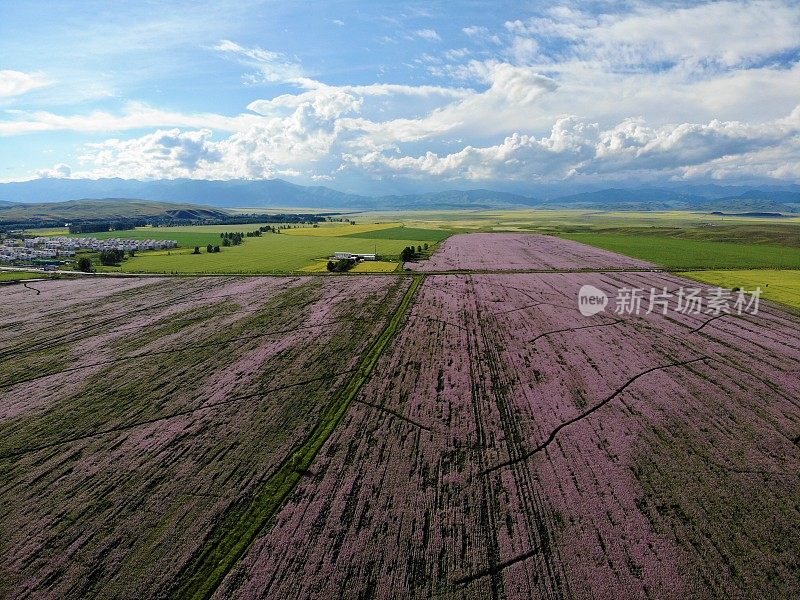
54,248
21,253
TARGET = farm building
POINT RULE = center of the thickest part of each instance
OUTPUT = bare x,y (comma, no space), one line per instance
353,256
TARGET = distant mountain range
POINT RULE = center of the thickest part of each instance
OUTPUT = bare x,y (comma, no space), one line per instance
277,193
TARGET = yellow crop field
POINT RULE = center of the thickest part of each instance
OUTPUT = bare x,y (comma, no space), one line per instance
368,266
778,285
337,229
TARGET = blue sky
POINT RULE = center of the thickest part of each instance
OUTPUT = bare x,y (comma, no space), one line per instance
380,97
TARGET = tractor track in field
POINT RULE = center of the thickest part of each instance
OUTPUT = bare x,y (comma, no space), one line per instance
495,570
488,518
393,413
712,319
568,329
435,320
590,411
539,526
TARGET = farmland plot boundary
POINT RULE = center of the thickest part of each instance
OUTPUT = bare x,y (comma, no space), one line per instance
236,531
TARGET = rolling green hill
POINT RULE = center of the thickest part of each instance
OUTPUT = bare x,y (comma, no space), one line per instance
108,208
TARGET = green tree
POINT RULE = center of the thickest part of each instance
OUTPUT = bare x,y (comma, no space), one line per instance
110,258
209,248
85,264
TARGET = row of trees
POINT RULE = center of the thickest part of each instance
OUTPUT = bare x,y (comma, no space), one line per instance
108,258
341,265
270,229
97,226
209,249
232,238
410,253
236,238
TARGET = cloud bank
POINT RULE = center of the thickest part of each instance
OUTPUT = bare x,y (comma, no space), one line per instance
698,92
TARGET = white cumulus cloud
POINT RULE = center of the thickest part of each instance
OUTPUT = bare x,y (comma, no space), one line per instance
428,34
269,66
16,83
59,171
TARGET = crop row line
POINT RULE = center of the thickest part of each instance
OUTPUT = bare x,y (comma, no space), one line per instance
479,394
198,346
237,530
436,320
174,415
75,335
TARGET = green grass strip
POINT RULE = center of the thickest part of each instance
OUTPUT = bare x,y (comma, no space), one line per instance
237,531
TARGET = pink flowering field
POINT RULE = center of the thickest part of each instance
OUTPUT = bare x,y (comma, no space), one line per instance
134,413
506,446
521,251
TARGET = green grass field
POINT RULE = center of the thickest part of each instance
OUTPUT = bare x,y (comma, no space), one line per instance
295,249
19,275
338,229
47,231
270,253
404,233
690,254
780,286
187,236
